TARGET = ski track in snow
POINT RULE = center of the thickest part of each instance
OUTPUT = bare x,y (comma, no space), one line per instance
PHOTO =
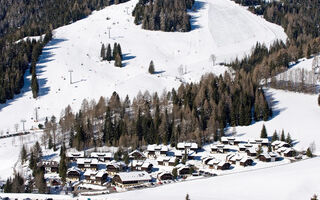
220,27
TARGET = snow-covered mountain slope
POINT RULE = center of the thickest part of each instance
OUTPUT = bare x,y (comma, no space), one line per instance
296,113
220,27
292,181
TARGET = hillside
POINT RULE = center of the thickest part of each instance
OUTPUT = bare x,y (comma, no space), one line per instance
77,47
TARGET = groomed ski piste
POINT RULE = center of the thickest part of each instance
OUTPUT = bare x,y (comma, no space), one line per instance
220,27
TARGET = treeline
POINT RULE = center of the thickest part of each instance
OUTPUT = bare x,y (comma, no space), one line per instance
35,17
300,22
112,54
14,61
164,15
194,112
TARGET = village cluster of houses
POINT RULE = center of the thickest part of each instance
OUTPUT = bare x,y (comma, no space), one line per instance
157,162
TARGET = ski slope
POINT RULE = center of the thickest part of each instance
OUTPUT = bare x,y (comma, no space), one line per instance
220,27
298,180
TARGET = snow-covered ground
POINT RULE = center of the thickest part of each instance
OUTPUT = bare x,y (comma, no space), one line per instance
220,27
291,181
296,113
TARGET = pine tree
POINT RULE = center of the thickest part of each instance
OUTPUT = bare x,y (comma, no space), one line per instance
269,148
288,139
319,100
109,56
175,173
103,52
119,51
151,67
309,51
187,197
40,182
34,82
115,51
282,137
259,151
63,164
118,61
263,132
275,136
50,143
23,154
309,153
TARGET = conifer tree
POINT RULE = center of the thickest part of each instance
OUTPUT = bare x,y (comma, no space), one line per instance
259,151
118,61
63,164
23,154
314,197
309,153
40,182
175,173
282,137
115,51
269,148
275,136
103,52
119,51
263,132
288,139
109,56
187,197
319,100
151,67
34,82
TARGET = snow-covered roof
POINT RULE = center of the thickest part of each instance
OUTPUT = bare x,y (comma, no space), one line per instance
92,161
74,169
146,164
221,163
289,150
266,155
245,158
75,154
136,151
134,176
214,162
282,149
101,154
153,147
182,145
101,173
252,150
273,154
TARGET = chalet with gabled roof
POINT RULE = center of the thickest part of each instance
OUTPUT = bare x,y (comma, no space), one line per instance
128,179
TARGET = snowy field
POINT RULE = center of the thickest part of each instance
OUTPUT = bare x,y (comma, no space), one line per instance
299,180
220,27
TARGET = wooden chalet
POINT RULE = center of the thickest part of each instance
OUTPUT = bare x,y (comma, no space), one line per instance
129,179
165,176
95,177
186,146
73,156
289,152
87,163
223,165
49,166
137,155
154,151
245,161
73,174
138,165
251,152
183,170
102,156
166,161
219,148
115,167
